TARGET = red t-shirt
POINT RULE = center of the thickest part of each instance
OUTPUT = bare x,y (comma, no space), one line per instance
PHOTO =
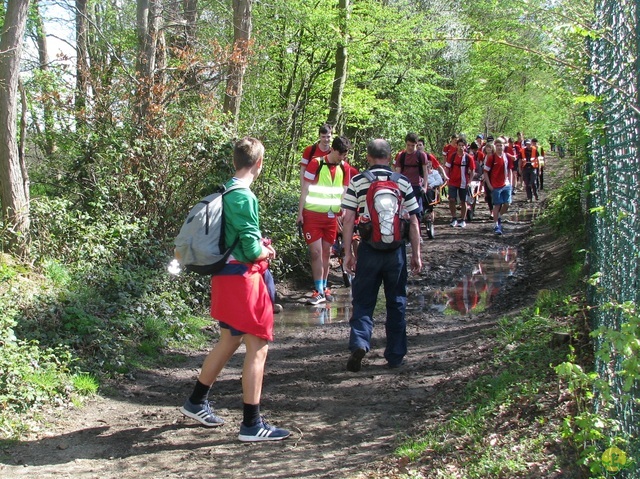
435,164
448,150
498,168
306,154
456,164
411,165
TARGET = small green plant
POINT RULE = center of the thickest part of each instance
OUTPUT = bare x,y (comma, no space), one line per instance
85,384
595,428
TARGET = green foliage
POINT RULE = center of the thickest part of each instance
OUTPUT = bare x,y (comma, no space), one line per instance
565,212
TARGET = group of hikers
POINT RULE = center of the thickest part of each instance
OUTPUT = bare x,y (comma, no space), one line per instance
384,203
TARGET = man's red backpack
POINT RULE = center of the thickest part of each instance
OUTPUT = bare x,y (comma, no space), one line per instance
383,225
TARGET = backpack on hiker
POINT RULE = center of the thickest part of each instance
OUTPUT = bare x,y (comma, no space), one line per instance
200,245
403,156
383,225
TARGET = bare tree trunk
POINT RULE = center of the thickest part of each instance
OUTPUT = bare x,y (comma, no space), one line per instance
238,62
190,17
14,185
148,28
82,64
340,76
43,57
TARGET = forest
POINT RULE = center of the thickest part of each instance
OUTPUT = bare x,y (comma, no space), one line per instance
118,115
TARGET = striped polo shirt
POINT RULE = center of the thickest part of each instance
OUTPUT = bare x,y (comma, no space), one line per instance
356,195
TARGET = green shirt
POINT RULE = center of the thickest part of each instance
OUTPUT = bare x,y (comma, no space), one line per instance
241,215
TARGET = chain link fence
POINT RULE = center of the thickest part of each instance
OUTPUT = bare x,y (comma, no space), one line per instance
614,170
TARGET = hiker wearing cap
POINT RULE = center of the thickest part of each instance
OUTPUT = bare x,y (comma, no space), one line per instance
529,165
459,168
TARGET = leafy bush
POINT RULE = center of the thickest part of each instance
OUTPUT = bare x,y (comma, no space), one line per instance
279,212
565,212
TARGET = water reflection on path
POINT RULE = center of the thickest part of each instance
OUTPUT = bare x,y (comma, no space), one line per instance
473,293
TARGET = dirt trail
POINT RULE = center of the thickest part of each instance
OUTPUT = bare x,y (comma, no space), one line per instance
342,422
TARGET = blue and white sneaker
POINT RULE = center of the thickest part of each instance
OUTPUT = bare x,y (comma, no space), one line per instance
262,431
201,413
497,229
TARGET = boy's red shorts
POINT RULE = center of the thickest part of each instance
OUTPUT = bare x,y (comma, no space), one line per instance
319,225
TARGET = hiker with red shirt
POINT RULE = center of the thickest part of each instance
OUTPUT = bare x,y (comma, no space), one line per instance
411,162
325,180
512,149
450,147
318,149
498,174
459,168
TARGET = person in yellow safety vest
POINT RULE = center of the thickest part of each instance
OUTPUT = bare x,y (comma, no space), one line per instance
325,180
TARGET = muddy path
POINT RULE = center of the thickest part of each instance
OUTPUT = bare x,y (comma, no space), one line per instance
342,422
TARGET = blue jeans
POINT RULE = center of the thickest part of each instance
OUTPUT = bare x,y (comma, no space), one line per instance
374,268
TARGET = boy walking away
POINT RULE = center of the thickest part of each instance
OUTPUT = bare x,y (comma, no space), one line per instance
324,182
242,297
498,175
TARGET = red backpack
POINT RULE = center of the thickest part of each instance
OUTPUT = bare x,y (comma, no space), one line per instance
383,225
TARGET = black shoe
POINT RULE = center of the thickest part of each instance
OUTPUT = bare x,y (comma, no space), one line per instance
396,365
354,364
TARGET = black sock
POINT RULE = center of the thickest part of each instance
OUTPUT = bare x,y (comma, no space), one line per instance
200,393
251,413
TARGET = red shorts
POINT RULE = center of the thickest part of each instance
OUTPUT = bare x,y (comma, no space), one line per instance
318,225
240,298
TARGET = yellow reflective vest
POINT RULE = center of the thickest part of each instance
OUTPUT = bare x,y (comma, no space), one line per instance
326,193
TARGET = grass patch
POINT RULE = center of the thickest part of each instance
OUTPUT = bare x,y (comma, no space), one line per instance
507,422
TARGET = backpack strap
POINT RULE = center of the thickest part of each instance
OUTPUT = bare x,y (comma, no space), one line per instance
313,150
321,163
223,190
368,174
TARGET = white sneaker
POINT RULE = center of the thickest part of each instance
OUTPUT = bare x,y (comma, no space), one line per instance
462,224
454,223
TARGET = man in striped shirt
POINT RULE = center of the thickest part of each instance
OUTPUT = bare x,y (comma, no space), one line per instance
376,267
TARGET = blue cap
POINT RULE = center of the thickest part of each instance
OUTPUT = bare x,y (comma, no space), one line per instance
480,136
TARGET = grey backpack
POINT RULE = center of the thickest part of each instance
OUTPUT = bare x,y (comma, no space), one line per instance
200,245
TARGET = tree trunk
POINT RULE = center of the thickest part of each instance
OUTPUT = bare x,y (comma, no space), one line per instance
190,17
148,30
82,64
43,60
238,61
340,76
14,185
